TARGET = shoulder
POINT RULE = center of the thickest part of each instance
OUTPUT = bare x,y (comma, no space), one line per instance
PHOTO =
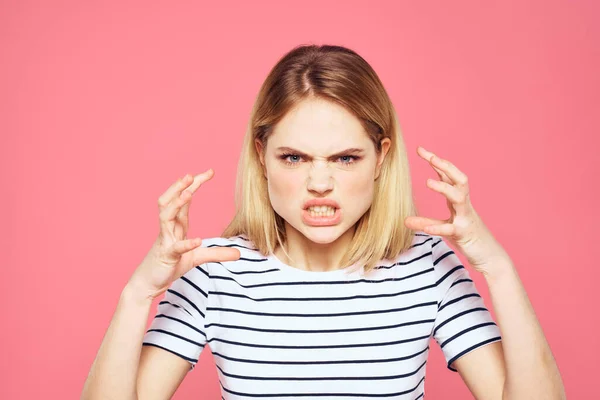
424,242
424,247
416,260
428,253
251,259
239,242
431,245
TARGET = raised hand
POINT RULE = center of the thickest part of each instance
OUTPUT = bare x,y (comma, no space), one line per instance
464,229
173,254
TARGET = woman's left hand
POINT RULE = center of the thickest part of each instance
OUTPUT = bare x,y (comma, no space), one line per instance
464,229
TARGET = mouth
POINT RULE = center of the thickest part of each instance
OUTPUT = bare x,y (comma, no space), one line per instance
321,211
321,215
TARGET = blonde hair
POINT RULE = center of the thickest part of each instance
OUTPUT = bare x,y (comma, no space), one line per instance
337,74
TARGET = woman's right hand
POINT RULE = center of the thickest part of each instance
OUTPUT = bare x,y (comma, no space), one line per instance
173,254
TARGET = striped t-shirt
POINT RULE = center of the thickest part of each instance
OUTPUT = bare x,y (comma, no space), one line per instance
280,332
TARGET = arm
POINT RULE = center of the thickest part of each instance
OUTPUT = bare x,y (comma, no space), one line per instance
522,365
531,371
137,363
116,372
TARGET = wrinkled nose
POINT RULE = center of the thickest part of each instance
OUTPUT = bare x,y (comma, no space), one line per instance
319,178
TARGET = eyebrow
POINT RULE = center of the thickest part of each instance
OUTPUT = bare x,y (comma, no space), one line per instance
338,154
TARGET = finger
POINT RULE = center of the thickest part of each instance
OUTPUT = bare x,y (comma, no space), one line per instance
183,246
215,254
419,223
182,215
456,196
424,155
441,174
441,230
169,213
457,177
173,191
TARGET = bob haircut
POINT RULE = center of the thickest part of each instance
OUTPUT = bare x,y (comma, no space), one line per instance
340,75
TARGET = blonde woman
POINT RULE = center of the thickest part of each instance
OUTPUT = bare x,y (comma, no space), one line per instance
326,283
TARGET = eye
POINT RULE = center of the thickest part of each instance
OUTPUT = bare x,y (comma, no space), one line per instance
347,159
290,159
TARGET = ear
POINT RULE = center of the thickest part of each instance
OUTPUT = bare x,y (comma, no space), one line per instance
260,150
385,147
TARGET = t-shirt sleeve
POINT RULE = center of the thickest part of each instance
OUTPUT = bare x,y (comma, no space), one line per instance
462,323
178,325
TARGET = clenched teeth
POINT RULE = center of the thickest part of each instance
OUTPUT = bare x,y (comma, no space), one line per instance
321,211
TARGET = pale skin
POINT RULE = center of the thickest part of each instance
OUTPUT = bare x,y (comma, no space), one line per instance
316,127
308,156
521,366
123,368
501,370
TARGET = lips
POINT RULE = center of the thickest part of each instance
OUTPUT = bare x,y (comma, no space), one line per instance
322,220
310,220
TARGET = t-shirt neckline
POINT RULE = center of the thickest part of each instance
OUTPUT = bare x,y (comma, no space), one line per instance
315,275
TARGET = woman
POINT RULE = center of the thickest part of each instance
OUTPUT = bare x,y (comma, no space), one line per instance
326,284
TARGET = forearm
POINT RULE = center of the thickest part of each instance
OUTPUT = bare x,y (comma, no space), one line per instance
113,374
531,371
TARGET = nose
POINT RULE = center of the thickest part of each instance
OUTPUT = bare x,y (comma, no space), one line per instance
319,178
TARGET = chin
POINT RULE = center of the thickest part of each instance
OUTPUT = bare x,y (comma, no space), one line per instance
322,235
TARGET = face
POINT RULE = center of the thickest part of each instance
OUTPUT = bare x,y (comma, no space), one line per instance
319,150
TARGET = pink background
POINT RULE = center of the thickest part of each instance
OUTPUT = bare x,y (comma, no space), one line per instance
104,104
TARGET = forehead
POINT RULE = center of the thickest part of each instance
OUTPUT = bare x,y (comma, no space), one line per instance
320,126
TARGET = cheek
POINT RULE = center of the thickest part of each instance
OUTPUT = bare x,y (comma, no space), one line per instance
359,183
357,190
284,186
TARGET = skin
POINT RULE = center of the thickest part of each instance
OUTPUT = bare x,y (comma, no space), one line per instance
501,370
318,130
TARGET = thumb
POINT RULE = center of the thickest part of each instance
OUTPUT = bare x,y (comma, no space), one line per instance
203,255
419,223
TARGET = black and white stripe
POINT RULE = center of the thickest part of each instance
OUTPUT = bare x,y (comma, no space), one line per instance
279,332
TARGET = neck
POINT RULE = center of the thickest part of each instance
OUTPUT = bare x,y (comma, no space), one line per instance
310,256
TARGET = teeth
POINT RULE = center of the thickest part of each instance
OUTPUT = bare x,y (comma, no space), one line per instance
321,211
